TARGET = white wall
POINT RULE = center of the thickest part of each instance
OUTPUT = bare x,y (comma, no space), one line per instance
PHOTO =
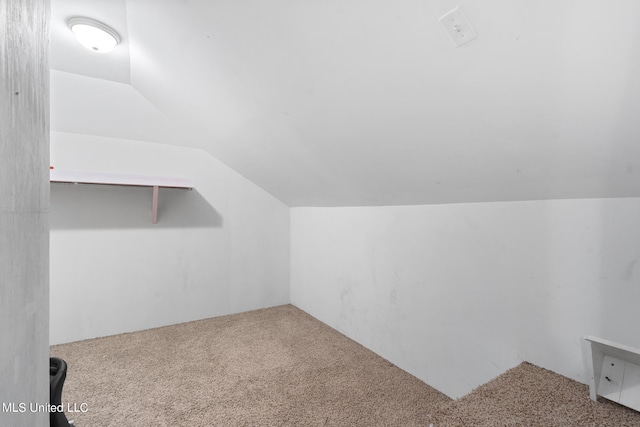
222,248
456,294
369,103
24,206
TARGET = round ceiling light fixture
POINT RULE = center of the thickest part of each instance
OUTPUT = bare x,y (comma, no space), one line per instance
94,35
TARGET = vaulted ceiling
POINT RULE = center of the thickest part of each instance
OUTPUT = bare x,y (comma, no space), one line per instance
368,102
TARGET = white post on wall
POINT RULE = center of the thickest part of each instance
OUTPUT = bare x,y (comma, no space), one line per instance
24,210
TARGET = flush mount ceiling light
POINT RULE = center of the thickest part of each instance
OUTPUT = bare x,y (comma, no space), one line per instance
94,35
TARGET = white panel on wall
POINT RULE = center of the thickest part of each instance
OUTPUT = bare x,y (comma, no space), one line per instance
456,294
24,204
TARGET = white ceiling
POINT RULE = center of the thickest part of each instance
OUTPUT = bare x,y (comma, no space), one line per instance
368,102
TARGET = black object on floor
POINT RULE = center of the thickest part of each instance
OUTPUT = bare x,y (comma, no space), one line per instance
57,375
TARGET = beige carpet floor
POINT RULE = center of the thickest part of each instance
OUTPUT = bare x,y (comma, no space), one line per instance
282,367
528,395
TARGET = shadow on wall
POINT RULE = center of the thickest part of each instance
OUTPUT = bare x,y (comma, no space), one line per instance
619,273
104,206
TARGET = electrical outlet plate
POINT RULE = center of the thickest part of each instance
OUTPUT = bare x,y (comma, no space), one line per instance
457,27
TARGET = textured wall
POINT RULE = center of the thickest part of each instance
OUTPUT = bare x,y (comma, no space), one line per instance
456,294
24,205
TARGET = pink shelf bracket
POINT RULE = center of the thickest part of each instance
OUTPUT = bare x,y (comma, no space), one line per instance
155,204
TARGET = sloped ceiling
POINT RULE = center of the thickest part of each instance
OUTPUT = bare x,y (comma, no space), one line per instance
367,102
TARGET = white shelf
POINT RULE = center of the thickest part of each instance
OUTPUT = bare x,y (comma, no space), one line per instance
613,371
103,178
81,177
